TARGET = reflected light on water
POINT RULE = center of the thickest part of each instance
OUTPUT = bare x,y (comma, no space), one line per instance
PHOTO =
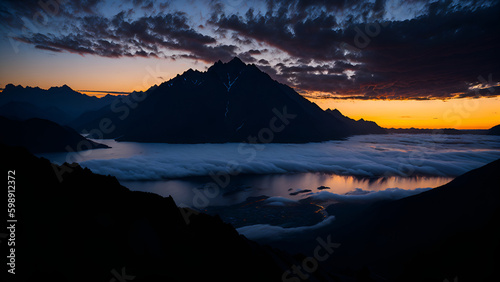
241,187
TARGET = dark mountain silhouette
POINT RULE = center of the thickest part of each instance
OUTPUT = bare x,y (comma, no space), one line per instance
447,232
24,110
95,117
230,102
63,98
74,225
41,136
360,126
495,130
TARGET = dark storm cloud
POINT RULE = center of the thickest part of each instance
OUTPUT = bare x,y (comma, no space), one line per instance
42,47
329,5
256,52
247,57
435,56
298,38
120,36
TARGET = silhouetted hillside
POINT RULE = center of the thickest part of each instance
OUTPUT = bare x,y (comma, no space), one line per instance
115,110
74,225
41,136
357,126
24,110
495,130
447,232
230,102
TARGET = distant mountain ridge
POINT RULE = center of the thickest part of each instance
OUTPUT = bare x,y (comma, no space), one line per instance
360,126
230,102
59,104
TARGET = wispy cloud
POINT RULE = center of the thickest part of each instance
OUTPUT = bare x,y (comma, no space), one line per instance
266,231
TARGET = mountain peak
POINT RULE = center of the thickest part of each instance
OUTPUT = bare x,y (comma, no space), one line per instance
236,61
334,112
10,86
64,88
235,65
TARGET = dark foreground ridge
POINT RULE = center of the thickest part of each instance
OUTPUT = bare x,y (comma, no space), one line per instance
230,102
90,228
43,136
445,233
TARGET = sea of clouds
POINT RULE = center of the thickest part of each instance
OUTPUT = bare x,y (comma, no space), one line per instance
365,155
266,231
359,195
261,231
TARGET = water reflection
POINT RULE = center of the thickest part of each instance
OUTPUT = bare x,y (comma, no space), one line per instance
188,191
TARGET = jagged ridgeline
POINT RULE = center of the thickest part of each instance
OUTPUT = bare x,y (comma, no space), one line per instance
230,102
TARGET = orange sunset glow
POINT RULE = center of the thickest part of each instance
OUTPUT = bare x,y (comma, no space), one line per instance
464,113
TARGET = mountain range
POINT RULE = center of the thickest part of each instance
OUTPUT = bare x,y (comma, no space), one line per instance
58,104
230,102
43,136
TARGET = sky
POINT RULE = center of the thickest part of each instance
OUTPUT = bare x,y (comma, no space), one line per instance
411,63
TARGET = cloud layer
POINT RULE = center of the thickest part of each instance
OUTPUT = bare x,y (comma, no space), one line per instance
367,155
263,231
271,232
147,36
363,196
